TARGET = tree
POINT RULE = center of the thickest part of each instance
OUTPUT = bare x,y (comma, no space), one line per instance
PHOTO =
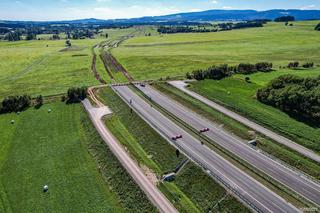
299,97
56,37
68,43
294,64
284,19
31,36
107,35
76,95
308,65
317,27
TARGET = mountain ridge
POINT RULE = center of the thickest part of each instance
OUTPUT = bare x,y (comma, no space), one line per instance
207,15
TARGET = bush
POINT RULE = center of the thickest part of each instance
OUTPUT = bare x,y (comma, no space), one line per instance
76,95
317,27
15,104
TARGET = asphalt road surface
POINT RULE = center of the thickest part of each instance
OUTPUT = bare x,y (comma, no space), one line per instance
276,137
292,179
247,188
152,192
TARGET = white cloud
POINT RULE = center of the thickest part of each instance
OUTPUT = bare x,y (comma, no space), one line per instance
227,7
214,2
114,13
308,7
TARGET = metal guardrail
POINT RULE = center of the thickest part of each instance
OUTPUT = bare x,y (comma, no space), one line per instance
212,174
301,173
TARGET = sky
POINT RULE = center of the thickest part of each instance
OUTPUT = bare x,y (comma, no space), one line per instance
44,10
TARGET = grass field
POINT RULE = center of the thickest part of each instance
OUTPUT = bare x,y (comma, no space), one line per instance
53,148
40,67
173,55
151,150
242,99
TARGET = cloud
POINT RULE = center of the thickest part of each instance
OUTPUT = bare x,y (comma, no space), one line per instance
100,1
115,13
214,2
308,7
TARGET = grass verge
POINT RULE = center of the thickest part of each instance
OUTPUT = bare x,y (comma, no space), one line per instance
283,153
151,150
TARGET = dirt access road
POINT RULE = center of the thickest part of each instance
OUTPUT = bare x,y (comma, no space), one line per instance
152,192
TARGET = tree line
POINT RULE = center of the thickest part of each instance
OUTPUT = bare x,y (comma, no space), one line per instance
212,27
297,96
20,103
223,71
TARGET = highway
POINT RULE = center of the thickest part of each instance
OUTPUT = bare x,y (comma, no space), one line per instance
293,180
248,189
276,137
152,192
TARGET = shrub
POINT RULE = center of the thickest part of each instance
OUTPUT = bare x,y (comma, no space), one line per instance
317,27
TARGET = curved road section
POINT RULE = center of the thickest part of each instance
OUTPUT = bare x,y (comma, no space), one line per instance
152,192
276,137
248,189
295,181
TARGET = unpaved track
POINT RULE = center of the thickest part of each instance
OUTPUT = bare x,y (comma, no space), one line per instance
152,192
270,134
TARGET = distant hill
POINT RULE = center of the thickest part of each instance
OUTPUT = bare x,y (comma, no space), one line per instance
209,15
222,15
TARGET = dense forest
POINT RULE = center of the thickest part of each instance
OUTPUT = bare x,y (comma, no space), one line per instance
299,97
223,71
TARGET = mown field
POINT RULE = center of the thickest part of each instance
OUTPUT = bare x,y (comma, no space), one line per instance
239,95
174,55
193,190
57,149
44,67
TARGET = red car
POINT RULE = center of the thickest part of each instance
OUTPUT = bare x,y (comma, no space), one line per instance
176,137
204,130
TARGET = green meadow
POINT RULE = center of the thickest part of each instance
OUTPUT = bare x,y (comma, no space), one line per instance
46,67
174,55
57,149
